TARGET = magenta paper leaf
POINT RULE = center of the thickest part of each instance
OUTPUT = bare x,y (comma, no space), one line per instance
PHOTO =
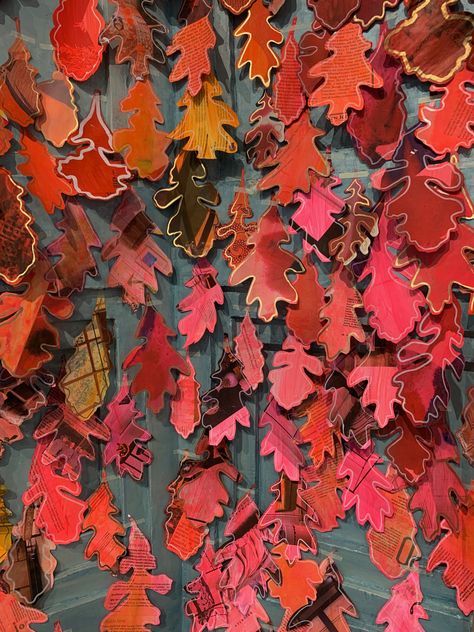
200,303
281,440
363,488
291,381
186,403
403,610
248,350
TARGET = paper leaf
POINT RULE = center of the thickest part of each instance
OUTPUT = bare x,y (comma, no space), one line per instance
193,41
448,125
193,223
288,94
257,50
290,377
339,313
60,513
295,162
75,38
424,360
433,41
73,248
266,133
379,125
225,400
197,498
19,95
141,143
6,526
236,7
128,600
281,440
371,11
58,119
268,266
17,238
159,380
333,15
365,487
466,433
342,90
135,35
403,610
100,517
135,253
312,50
302,319
248,349
26,335
239,210
89,168
126,445
455,552
359,224
317,430
204,120
201,303
185,405
15,615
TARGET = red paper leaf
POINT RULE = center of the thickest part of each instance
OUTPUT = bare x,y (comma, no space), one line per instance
290,377
455,552
378,127
89,168
281,440
266,134
333,15
257,51
342,324
127,600
75,37
404,610
143,145
317,430
433,41
268,265
364,489
158,380
73,248
135,35
17,238
313,49
201,303
422,379
295,162
58,119
342,91
248,350
288,95
126,444
15,615
302,319
100,517
185,413
193,41
61,512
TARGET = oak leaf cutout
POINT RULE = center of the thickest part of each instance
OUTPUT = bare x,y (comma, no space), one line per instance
267,132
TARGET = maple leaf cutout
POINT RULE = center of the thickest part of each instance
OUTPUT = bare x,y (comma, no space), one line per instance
289,98
268,265
342,324
204,120
193,41
455,552
248,350
45,184
16,615
294,162
141,143
156,346
61,512
127,600
73,248
403,610
364,488
342,91
257,51
449,125
100,517
201,303
290,377
281,440
185,414
266,133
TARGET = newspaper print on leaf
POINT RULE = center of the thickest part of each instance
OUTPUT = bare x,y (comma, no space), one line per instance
288,94
16,615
